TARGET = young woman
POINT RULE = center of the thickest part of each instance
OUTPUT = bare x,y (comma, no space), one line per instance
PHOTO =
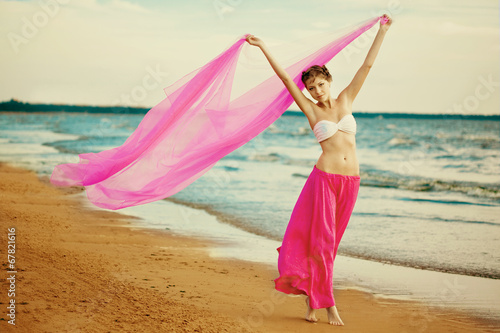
325,204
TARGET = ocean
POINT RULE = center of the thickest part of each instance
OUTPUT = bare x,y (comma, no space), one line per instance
429,196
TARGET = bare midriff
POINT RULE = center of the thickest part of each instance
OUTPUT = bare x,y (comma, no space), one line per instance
339,155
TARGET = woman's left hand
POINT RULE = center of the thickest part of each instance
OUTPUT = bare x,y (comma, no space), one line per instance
387,24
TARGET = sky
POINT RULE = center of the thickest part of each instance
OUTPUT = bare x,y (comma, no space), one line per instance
439,56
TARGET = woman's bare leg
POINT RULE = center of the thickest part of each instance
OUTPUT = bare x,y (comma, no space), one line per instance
311,313
333,316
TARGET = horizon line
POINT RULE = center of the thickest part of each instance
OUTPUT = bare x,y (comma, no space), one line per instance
145,108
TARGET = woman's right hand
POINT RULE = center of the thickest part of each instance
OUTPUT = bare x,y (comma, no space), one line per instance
252,40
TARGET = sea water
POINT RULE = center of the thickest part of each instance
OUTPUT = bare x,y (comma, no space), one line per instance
429,195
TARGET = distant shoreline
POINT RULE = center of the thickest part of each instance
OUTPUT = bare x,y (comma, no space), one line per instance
17,106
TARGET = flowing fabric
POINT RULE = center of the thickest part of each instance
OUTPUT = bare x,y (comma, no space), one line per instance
185,135
312,237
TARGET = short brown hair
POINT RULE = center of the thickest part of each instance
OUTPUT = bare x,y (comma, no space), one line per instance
314,71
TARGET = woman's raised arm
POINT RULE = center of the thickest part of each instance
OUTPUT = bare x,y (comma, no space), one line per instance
351,91
304,103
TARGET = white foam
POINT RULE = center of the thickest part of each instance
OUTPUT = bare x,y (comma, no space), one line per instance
309,153
41,164
25,148
37,136
415,163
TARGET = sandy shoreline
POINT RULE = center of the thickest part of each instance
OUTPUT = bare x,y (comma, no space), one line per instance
81,270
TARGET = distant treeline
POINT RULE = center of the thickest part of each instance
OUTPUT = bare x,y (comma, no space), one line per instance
16,106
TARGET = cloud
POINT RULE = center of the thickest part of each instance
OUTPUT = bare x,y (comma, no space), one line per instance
120,4
321,25
451,28
111,6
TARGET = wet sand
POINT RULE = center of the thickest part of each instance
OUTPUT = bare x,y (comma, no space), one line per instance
83,270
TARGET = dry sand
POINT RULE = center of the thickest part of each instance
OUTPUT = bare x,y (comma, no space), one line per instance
81,270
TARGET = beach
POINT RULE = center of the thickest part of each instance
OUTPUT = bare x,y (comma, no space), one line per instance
85,270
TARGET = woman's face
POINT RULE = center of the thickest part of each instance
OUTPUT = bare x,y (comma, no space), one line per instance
319,88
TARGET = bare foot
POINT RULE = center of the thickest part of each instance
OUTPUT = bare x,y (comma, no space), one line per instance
333,316
311,313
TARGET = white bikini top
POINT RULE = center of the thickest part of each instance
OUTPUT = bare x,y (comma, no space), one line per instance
326,128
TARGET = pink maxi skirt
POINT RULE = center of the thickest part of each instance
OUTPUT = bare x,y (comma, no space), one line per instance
311,240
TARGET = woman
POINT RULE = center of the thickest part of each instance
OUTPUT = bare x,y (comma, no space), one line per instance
325,204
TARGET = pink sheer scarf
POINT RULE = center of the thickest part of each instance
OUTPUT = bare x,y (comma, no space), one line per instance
185,135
